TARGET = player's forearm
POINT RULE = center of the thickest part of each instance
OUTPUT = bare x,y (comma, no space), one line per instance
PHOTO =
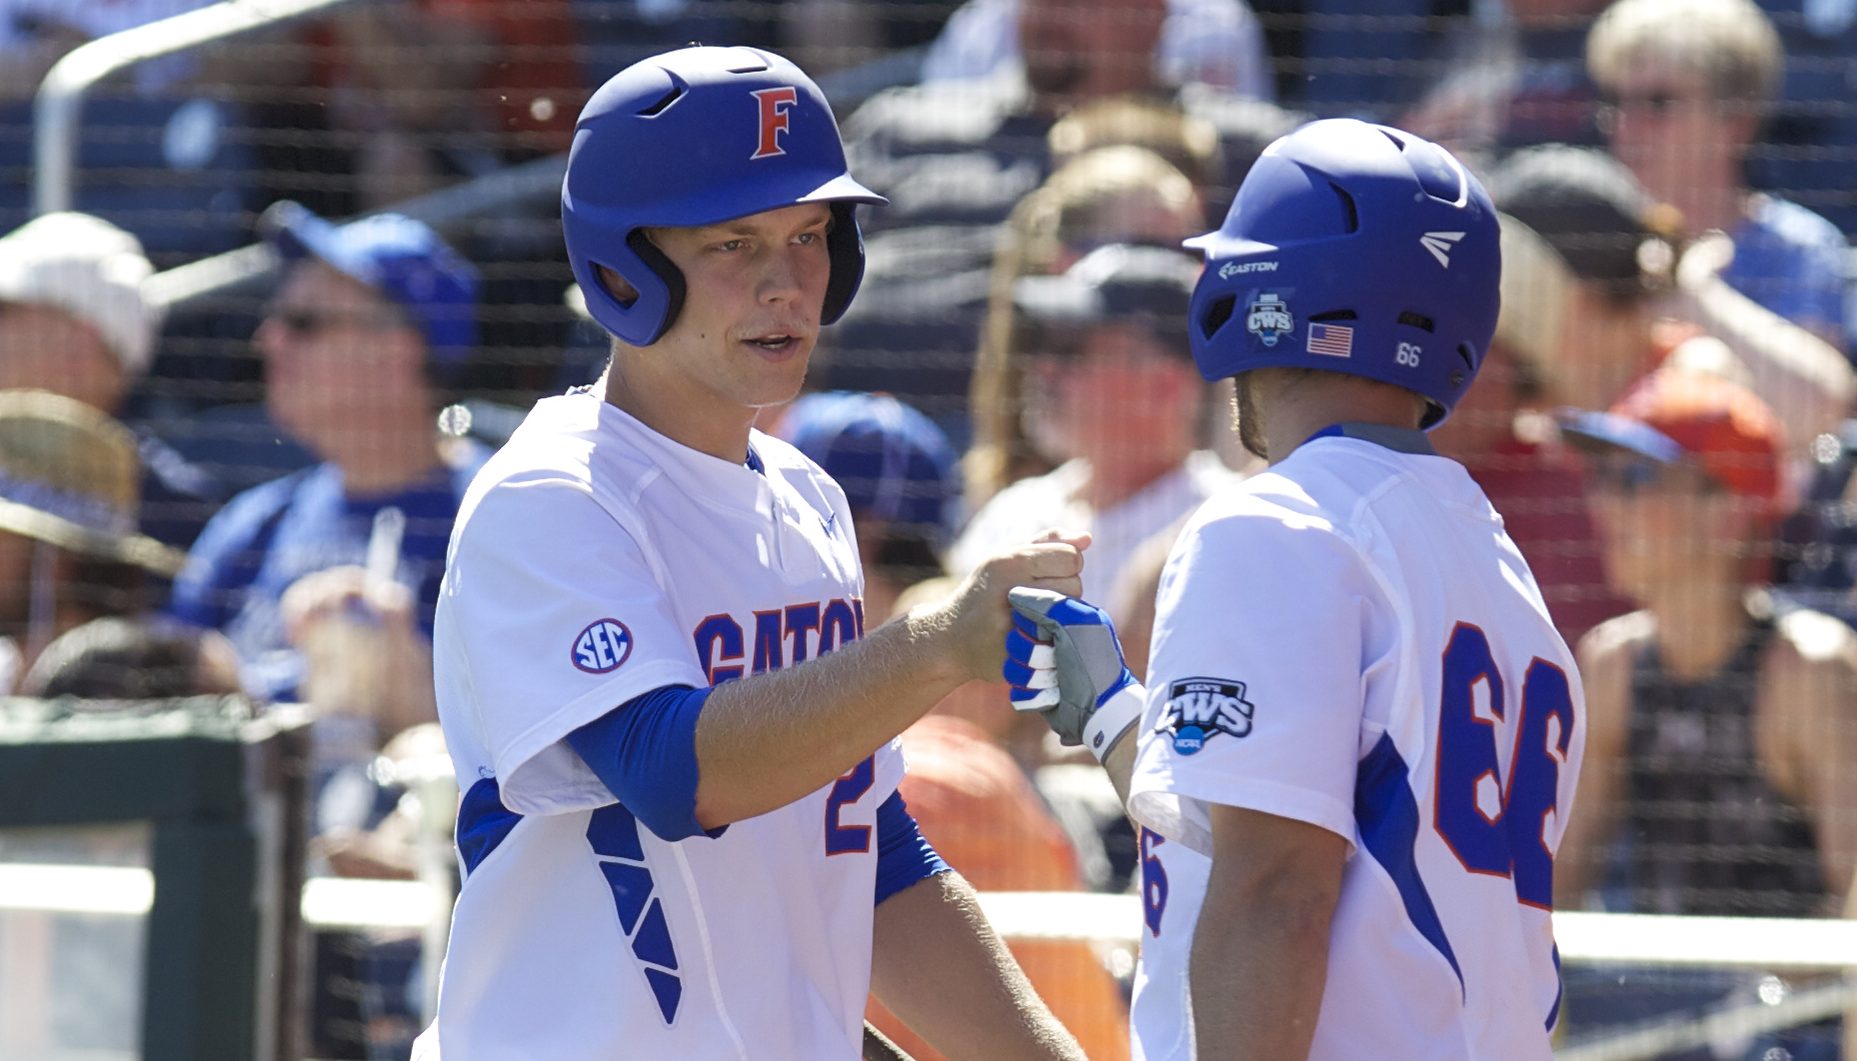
1259,964
1789,366
765,741
1260,952
939,966
1119,764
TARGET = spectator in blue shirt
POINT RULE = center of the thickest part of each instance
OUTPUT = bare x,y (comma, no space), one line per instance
1811,138
1687,85
369,318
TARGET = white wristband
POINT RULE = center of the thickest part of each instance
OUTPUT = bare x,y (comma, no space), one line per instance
1113,721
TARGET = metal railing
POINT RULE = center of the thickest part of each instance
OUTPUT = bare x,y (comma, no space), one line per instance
60,102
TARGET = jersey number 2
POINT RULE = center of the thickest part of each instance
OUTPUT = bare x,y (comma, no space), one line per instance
1494,820
846,839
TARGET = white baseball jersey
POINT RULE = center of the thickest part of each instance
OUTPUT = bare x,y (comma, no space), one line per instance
594,560
1351,640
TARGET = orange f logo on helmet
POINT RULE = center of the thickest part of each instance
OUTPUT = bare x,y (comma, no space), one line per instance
775,102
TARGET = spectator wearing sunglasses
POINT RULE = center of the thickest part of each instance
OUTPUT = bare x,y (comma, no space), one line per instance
1115,193
370,320
1721,728
326,580
1686,87
1111,391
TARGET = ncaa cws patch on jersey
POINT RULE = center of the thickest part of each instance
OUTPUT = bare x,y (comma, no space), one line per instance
1198,709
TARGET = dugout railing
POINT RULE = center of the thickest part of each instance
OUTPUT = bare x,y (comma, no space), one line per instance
219,791
1798,965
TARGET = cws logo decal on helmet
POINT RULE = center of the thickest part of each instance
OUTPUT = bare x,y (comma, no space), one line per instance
1269,318
724,132
1387,246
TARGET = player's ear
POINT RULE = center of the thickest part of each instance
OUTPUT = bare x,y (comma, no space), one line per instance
617,286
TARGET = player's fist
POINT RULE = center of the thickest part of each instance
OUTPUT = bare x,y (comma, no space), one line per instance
1062,659
977,618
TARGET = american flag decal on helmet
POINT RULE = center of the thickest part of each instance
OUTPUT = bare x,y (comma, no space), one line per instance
1333,340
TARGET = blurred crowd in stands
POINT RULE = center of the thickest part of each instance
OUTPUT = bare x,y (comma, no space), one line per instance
251,490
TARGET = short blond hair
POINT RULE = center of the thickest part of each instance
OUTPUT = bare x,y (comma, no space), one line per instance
1730,44
1068,207
1188,142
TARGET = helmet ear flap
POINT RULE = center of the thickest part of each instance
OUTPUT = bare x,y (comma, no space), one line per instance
657,283
668,276
845,246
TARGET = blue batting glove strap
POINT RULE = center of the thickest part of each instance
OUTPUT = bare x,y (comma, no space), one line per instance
1087,657
1021,640
1028,668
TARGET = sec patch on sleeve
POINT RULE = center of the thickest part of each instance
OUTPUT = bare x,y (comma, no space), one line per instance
602,647
1199,709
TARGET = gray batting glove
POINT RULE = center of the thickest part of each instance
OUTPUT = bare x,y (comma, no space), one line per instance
1062,660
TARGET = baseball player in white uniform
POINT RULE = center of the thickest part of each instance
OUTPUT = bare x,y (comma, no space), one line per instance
675,739
1357,706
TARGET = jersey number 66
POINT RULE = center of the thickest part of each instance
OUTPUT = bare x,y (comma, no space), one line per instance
1495,820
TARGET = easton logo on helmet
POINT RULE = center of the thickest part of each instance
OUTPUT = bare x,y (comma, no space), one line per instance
1231,269
1269,318
1440,244
602,647
775,102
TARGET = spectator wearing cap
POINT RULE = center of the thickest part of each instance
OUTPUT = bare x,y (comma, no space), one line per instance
898,473
368,319
1638,292
326,580
1687,85
1112,392
74,321
1720,730
1116,193
69,548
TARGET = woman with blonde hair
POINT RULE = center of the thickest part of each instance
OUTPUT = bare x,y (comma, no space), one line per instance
1113,194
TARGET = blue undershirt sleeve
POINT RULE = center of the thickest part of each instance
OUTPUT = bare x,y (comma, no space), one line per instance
904,855
645,752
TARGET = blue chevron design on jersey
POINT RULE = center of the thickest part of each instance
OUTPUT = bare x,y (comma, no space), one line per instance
612,832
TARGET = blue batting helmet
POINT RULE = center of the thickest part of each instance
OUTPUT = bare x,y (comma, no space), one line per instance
1353,248
694,137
